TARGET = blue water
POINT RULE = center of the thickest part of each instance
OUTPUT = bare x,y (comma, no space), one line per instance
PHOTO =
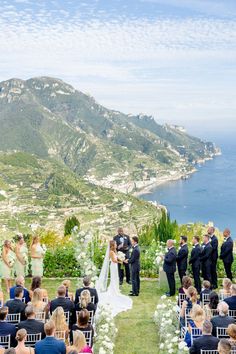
209,194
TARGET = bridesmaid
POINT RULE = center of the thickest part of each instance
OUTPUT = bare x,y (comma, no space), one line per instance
21,265
8,260
37,254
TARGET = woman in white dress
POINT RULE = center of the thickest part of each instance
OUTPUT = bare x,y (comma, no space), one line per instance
111,295
37,254
8,260
21,265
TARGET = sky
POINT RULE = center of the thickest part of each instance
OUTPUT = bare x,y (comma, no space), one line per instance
172,59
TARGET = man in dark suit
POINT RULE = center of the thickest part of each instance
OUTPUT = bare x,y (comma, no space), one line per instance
182,257
134,261
226,253
16,305
205,258
20,282
5,327
31,325
50,344
66,304
93,291
231,301
223,319
214,257
195,262
123,245
206,341
169,266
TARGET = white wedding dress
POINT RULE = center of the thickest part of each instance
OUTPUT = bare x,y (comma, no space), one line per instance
111,296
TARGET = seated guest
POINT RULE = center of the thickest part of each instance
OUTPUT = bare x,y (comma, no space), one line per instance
206,288
231,331
21,336
83,323
186,283
67,284
223,320
214,301
79,343
196,321
50,344
93,291
20,282
37,301
5,327
31,325
59,319
66,304
226,287
231,301
36,284
190,301
85,302
16,305
224,346
206,341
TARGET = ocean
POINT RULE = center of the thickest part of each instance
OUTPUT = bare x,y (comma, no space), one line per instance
208,195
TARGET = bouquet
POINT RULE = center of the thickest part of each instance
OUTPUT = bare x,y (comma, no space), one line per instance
44,248
121,256
12,259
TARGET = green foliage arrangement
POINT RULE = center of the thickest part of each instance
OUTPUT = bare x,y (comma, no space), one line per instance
70,224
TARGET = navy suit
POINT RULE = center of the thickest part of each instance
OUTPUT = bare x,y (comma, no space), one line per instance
205,258
26,293
205,342
135,269
16,306
182,261
231,301
67,305
195,263
50,345
214,257
6,329
125,249
226,254
169,267
93,292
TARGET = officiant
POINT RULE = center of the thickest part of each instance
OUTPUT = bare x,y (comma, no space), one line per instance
123,245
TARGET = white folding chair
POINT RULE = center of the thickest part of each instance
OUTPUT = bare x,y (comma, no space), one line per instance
214,312
183,332
88,337
32,339
209,351
60,335
67,315
187,316
13,318
195,333
221,332
224,296
181,299
92,299
5,341
23,299
45,299
205,299
91,316
40,316
232,313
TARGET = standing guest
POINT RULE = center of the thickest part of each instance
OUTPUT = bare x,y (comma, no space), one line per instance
50,344
37,301
123,245
31,325
8,259
195,262
82,324
21,337
59,319
169,266
206,341
231,301
206,289
5,327
182,257
66,304
224,346
226,253
36,284
205,258
134,261
86,286
225,292
223,319
17,305
231,331
20,282
79,343
37,254
85,302
214,257
21,264
67,284
211,308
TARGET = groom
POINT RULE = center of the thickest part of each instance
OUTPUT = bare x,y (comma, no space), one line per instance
135,266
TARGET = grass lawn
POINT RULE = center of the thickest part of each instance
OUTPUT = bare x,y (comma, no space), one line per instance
136,329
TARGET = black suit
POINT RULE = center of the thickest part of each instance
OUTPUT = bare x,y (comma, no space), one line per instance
195,263
205,343
126,250
135,269
66,304
16,306
214,257
226,254
221,321
182,261
93,292
205,258
170,268
32,326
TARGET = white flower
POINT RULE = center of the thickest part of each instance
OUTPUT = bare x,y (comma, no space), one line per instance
182,345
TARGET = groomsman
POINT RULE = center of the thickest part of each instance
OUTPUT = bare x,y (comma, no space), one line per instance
123,245
214,256
134,261
226,253
169,266
195,262
182,257
205,258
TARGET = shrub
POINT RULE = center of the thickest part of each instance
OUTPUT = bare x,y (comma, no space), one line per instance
70,224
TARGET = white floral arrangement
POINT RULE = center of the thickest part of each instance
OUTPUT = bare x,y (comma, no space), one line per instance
159,255
44,248
167,324
121,256
105,331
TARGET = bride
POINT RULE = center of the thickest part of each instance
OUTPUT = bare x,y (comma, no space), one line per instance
111,295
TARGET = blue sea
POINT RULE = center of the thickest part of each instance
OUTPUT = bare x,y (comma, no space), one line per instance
209,194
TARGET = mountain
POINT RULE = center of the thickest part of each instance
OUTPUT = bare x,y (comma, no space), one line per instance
50,119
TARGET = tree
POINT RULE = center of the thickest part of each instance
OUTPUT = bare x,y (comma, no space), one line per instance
70,224
166,228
